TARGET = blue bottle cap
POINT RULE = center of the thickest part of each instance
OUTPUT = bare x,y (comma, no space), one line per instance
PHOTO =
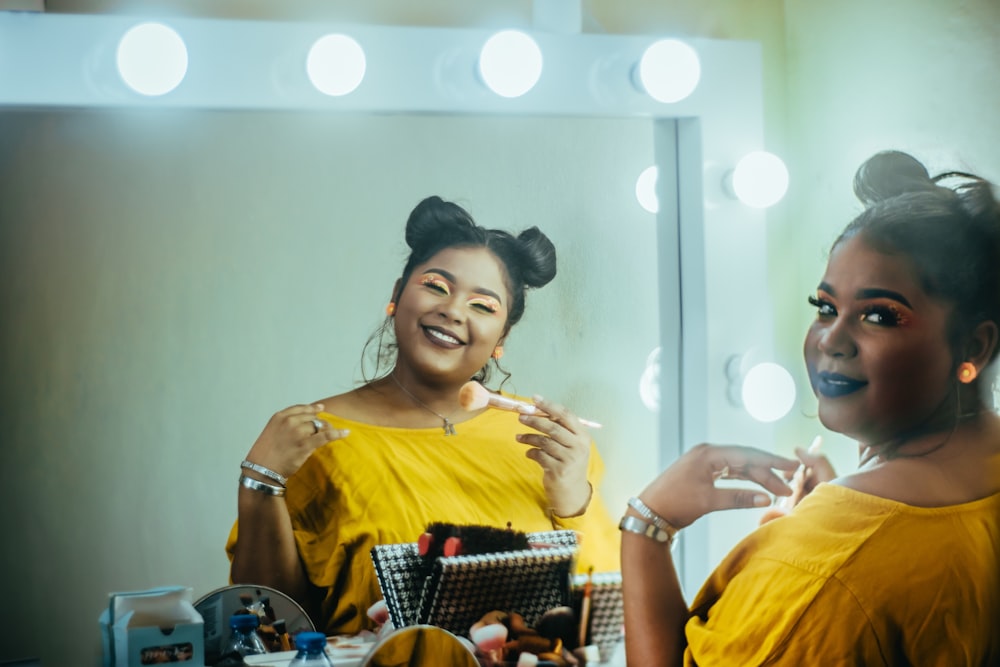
243,621
310,640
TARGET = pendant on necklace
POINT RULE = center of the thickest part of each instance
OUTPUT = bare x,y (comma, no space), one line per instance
449,428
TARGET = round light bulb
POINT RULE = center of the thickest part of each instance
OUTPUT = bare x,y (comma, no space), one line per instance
645,189
152,59
669,70
336,65
760,179
510,63
649,382
768,392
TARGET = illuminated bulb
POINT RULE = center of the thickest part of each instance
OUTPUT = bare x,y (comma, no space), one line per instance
768,392
760,179
645,189
336,65
510,63
152,59
649,382
669,70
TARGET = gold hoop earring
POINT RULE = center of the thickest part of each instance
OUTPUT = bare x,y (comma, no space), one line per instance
390,310
967,372
497,353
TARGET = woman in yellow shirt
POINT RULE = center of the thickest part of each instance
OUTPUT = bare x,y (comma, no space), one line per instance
327,481
899,562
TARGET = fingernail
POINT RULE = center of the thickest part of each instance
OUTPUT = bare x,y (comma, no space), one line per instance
761,500
537,398
344,432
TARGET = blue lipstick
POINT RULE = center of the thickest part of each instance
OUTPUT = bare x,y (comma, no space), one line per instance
835,385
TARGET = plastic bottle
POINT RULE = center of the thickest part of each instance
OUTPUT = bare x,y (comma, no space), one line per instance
311,651
243,637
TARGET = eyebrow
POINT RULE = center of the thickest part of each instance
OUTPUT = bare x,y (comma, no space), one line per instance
870,293
450,277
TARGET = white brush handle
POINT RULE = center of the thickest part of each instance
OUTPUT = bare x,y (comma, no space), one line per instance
525,408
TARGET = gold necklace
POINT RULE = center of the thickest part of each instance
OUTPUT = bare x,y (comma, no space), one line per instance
449,428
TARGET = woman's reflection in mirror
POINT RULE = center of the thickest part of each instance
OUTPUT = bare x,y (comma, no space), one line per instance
325,481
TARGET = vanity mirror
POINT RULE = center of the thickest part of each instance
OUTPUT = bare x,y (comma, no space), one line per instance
179,267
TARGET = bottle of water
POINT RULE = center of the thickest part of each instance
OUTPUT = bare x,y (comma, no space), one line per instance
311,650
243,638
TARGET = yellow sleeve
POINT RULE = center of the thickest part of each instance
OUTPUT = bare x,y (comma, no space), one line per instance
773,613
600,545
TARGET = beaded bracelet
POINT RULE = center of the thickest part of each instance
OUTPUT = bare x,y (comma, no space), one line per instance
266,472
254,485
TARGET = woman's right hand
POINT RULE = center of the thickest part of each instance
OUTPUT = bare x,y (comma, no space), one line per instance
290,437
686,490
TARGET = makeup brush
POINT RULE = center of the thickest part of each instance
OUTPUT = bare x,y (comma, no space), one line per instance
785,504
473,396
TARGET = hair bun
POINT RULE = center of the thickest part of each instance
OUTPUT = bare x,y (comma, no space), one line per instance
431,217
539,266
889,174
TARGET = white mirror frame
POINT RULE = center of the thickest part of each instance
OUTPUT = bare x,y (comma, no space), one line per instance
711,248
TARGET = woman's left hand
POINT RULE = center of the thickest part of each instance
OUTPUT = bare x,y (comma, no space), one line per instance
562,449
686,490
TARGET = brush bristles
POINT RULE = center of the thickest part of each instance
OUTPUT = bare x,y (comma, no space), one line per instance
473,396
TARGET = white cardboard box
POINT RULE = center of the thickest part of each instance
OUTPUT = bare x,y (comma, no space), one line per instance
155,626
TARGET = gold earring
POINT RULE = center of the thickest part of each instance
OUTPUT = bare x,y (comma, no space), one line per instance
967,372
497,352
390,310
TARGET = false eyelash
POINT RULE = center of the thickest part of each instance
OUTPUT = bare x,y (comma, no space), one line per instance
435,282
890,312
489,305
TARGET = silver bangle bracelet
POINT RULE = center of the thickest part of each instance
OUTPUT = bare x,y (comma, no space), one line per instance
657,520
254,485
633,524
266,472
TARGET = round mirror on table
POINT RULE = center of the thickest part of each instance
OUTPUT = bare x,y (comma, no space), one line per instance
219,605
420,646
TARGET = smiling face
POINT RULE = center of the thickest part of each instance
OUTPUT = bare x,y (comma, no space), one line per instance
451,314
877,354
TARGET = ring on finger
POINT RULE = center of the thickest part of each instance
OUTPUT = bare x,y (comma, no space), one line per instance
723,474
317,425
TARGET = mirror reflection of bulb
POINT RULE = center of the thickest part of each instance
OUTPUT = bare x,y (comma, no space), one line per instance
649,382
645,189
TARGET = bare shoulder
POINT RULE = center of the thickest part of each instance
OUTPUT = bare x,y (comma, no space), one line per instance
356,404
966,469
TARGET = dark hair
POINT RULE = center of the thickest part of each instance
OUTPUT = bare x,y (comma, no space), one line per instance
528,260
951,235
